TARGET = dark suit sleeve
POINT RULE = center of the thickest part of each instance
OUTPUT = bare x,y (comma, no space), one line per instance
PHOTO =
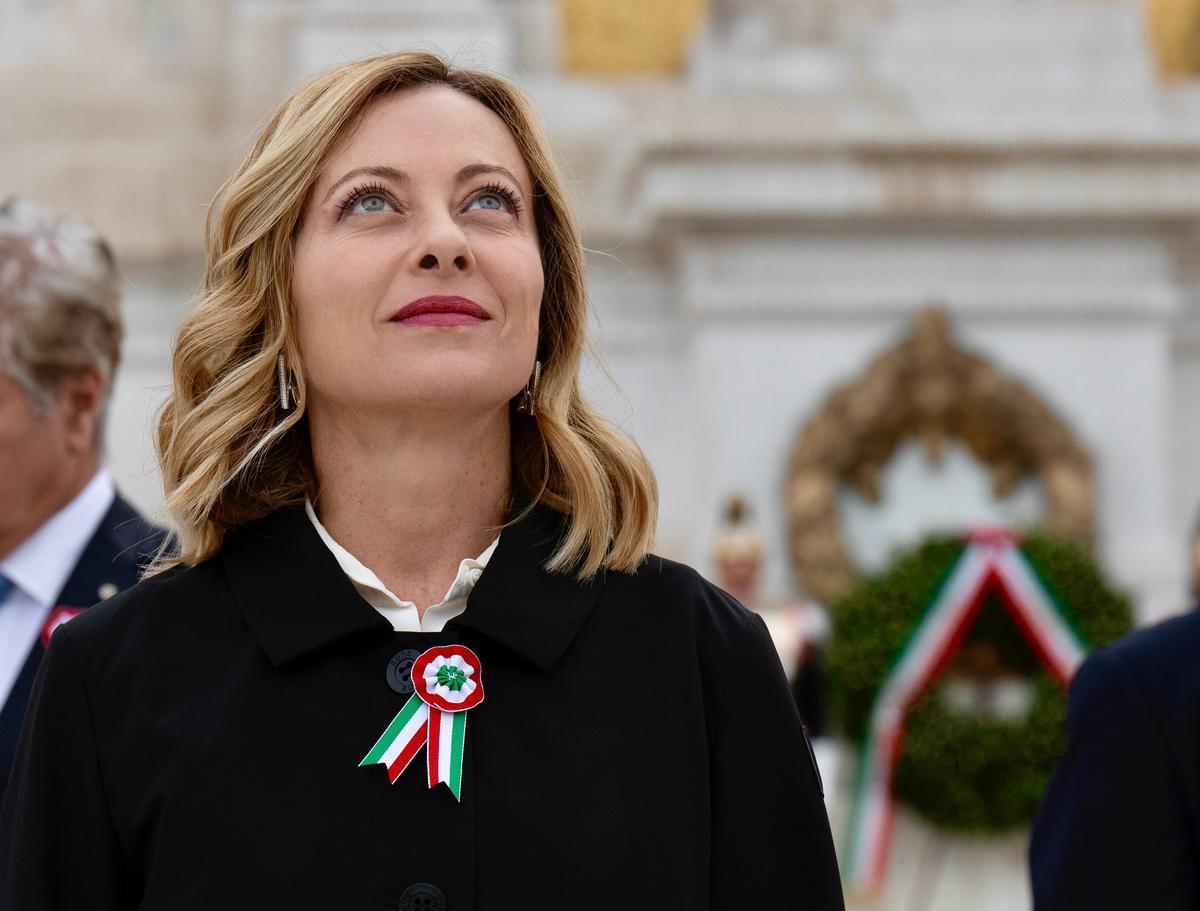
58,847
771,845
1112,831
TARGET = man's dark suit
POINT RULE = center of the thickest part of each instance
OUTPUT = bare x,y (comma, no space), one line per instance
110,562
1119,826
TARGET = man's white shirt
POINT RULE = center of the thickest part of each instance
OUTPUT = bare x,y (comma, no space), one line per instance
39,569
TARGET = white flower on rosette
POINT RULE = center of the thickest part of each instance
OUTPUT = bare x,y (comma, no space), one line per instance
449,678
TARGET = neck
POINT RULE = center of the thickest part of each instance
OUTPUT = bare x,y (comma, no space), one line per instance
56,494
412,498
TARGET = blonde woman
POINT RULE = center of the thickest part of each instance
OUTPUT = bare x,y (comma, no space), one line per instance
415,652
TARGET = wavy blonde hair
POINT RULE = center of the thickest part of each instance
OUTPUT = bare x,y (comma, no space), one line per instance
229,454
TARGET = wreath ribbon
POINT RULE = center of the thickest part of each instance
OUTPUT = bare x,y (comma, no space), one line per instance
447,683
991,562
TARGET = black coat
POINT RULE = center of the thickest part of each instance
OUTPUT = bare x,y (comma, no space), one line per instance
122,544
194,743
1119,827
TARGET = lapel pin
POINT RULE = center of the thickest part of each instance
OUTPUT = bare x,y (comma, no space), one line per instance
56,618
447,683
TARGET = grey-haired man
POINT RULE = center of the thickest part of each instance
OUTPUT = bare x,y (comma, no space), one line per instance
67,538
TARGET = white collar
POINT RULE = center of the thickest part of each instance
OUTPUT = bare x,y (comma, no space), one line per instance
469,569
43,562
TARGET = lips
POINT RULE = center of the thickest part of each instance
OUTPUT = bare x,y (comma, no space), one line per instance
438,304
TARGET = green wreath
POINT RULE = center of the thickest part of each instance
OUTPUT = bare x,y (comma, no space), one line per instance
959,771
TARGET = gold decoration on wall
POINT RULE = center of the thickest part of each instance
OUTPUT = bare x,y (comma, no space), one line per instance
927,388
628,37
1173,27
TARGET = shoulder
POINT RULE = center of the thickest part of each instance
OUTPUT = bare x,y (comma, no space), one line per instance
668,586
692,626
1164,651
153,615
130,534
670,601
1154,667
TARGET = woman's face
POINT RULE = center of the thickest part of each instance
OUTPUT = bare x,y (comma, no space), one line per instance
428,196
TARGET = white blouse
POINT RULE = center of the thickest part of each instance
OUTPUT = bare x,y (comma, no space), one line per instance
403,614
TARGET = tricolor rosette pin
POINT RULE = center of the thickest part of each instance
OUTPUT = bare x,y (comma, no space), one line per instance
447,682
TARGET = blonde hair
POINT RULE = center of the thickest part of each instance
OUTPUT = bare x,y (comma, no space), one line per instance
60,302
229,454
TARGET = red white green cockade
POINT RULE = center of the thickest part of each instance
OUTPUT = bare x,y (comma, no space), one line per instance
447,682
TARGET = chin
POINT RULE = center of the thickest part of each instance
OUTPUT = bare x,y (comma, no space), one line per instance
447,375
457,395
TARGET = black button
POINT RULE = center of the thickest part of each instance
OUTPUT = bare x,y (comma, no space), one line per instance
422,897
399,676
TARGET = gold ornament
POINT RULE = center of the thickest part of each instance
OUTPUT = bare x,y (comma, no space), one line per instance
1173,27
629,37
926,388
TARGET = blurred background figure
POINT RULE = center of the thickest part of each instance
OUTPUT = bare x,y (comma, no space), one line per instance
67,538
738,555
1195,565
799,626
1118,826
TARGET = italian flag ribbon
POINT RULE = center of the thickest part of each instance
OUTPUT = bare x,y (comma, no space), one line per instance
447,682
990,563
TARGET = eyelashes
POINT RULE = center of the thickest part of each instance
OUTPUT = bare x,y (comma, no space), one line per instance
360,192
374,189
509,197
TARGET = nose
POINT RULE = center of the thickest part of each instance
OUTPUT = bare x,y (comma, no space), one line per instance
444,246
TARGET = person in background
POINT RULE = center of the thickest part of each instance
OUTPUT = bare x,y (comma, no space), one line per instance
1119,825
1195,564
800,628
67,538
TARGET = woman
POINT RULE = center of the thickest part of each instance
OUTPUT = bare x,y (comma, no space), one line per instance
382,376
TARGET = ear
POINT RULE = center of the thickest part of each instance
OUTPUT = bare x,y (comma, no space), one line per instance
79,402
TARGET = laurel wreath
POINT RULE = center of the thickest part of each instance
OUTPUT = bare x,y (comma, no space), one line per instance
964,772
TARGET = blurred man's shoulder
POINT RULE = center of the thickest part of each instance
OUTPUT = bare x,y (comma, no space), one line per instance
133,537
1156,666
1163,646
154,609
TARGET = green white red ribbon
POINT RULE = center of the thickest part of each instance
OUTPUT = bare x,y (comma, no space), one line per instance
447,682
990,563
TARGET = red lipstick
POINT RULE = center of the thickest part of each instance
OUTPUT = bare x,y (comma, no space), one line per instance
441,310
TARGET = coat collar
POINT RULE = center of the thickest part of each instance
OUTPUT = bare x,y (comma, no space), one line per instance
296,599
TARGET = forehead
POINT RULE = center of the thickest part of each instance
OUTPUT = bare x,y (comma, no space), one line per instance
429,130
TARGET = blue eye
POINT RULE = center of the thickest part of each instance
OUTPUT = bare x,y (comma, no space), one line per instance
373,203
373,198
504,194
491,196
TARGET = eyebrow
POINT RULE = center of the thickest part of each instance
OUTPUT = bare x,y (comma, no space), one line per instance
397,176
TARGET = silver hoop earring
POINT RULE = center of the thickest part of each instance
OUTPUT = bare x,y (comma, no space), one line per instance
527,403
285,388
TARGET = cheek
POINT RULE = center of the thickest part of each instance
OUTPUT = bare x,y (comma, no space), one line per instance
306,283
315,285
29,444
336,291
523,284
16,417
538,286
